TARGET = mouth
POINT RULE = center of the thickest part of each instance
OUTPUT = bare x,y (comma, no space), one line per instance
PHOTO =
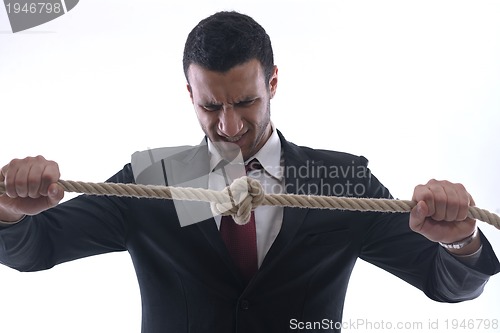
233,139
230,147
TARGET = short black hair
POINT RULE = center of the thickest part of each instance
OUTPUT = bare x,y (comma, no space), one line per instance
225,40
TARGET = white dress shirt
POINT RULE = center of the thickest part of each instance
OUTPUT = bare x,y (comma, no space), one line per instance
268,219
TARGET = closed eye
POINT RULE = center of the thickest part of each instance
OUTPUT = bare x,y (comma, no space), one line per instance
247,102
212,107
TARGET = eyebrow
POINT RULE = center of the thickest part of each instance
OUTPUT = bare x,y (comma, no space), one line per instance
246,98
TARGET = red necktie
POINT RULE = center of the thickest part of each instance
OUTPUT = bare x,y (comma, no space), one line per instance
241,240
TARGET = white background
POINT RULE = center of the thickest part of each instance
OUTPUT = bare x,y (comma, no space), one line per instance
412,85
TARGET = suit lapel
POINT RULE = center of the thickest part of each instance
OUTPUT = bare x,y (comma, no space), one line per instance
295,160
208,226
209,229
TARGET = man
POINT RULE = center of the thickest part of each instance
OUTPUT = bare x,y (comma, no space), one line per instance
189,272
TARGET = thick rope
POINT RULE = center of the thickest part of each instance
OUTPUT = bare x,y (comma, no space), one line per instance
245,194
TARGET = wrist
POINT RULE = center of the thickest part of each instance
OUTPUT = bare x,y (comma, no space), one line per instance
466,246
6,217
7,222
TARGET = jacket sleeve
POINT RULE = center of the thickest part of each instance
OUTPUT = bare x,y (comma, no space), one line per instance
77,228
389,243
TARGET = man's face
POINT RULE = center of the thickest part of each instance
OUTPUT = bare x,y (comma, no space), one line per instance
233,108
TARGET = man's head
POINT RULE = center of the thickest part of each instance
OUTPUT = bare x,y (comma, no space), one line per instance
226,39
231,77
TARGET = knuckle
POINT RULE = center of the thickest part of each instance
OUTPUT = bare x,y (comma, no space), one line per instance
420,187
29,159
52,170
422,192
432,181
54,165
14,163
446,183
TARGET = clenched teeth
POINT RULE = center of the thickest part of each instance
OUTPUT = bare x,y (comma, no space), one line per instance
233,139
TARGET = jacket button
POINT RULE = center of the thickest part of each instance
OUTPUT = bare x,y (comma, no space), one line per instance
244,304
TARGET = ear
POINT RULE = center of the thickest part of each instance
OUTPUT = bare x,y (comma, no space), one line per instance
273,82
190,90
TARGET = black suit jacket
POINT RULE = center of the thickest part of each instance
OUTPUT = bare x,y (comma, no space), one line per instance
188,282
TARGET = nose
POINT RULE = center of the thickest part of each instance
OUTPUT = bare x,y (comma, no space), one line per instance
230,122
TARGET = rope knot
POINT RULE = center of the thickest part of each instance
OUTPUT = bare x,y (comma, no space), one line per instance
239,199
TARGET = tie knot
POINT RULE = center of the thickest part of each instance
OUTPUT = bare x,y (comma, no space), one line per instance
253,165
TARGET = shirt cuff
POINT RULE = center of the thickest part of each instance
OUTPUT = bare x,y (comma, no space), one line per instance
6,224
469,259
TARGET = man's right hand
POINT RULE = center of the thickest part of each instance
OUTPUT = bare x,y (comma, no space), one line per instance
31,187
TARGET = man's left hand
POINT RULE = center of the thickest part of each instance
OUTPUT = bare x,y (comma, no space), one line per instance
441,214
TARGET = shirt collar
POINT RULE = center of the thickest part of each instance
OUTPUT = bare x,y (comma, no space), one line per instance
269,155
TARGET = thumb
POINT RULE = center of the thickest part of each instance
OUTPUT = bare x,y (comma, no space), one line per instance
418,215
55,194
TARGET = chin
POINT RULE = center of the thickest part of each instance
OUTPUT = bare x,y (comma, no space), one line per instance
228,150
